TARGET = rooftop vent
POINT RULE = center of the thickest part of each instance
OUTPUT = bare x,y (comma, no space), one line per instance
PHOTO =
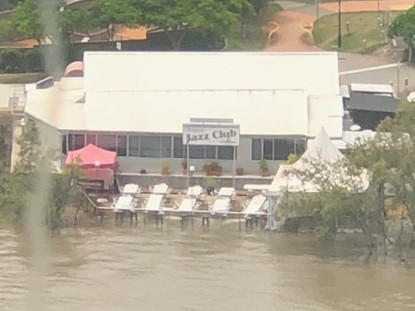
45,83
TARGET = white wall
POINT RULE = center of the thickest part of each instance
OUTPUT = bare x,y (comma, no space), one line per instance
257,112
327,112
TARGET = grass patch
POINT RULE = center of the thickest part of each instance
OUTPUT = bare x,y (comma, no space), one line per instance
362,26
252,37
18,78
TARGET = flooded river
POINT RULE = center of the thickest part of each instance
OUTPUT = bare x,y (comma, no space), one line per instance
110,269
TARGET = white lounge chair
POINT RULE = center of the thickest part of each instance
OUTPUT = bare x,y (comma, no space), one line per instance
255,206
221,205
188,205
154,202
124,202
160,189
194,191
226,191
132,189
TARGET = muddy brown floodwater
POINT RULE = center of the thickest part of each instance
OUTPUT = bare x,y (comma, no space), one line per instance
110,269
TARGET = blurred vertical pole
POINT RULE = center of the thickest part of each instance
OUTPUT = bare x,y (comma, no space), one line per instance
317,2
39,198
397,79
378,2
339,36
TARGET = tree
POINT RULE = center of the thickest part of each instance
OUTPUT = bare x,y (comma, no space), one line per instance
26,21
176,18
36,19
331,191
64,192
110,12
30,153
35,164
259,5
5,134
71,21
390,159
6,29
404,26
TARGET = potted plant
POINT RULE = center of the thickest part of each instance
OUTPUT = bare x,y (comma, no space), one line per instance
184,167
212,169
264,167
239,171
165,168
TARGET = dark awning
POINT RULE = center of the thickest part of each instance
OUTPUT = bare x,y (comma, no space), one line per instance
372,102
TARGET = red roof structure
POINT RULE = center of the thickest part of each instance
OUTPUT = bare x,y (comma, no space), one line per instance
92,156
74,69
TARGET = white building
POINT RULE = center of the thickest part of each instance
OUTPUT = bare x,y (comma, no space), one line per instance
136,103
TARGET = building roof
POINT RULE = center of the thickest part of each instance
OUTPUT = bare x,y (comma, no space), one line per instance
56,105
372,102
315,72
371,88
265,93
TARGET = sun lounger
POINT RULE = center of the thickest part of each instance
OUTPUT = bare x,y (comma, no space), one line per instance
226,191
154,203
194,191
255,206
188,205
160,189
221,205
124,202
132,189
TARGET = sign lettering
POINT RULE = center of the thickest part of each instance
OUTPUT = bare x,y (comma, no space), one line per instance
217,135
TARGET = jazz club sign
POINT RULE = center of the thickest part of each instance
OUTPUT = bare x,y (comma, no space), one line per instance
211,135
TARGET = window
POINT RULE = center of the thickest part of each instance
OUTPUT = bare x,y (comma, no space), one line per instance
256,149
122,145
226,152
300,146
150,146
276,149
107,142
178,148
268,147
64,141
197,152
283,148
210,152
166,147
70,142
91,139
78,141
133,146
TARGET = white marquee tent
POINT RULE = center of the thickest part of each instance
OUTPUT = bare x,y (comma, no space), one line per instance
324,156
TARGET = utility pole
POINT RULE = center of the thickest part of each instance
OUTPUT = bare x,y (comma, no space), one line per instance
317,2
339,36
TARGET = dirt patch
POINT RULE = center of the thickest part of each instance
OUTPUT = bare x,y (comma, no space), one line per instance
307,38
295,27
291,36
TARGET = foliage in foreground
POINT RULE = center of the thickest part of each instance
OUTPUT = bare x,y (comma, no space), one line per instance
385,211
33,177
403,26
